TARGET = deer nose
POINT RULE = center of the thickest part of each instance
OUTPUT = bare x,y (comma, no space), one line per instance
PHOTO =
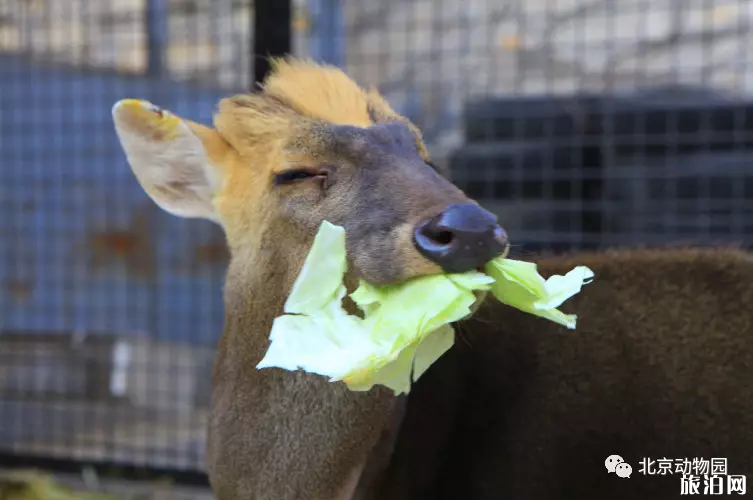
461,238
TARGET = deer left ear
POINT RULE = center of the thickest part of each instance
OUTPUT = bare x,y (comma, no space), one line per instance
169,158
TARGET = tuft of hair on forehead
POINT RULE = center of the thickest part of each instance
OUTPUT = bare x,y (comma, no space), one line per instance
298,93
319,91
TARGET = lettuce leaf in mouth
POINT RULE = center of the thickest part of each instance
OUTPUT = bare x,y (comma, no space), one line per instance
406,327
519,284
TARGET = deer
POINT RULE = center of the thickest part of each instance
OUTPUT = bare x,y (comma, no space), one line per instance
659,367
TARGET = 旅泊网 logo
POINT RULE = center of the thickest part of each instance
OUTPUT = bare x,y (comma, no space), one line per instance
698,476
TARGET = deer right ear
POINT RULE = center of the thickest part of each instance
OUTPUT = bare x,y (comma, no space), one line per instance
169,158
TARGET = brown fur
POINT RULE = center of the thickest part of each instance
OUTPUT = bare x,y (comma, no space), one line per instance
661,365
270,427
518,402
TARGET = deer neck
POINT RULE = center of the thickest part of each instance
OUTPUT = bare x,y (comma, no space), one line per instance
255,412
257,285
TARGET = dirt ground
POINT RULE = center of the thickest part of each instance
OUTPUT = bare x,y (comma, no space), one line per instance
32,485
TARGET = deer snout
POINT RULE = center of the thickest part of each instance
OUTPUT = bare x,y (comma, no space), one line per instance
462,238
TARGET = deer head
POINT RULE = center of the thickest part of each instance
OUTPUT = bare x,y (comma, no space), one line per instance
310,146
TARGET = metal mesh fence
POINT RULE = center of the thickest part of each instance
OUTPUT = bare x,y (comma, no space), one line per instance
581,123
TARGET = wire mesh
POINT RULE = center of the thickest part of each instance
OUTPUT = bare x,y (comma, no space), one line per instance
581,123
109,308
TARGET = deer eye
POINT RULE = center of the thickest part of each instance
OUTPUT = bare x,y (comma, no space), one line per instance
290,176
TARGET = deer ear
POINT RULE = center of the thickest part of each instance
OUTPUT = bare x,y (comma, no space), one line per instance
169,157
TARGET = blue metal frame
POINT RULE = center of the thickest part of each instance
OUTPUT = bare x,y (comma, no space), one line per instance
327,32
82,248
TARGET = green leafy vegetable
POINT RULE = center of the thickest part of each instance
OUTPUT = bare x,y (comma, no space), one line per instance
405,327
519,285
